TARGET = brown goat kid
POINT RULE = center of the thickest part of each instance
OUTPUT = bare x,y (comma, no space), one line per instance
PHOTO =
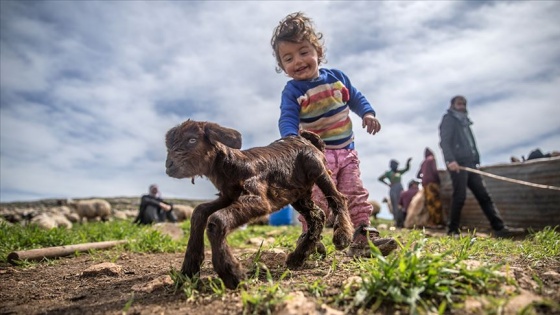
252,183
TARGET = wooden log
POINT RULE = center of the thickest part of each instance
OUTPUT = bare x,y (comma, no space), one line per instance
59,251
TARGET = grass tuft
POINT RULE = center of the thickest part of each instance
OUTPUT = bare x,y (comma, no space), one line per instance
421,280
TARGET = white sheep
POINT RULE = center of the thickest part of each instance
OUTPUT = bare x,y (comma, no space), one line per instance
49,221
91,209
71,216
44,221
120,215
376,208
182,212
61,221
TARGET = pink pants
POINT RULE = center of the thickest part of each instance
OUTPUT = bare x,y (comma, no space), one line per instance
345,167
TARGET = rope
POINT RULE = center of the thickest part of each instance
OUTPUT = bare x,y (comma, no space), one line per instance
472,170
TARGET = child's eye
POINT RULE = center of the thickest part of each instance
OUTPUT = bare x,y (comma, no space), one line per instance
288,59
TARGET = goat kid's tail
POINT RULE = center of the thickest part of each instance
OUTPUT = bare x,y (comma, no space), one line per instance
314,139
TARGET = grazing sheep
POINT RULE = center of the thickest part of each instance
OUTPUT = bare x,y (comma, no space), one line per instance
72,217
120,215
91,209
66,212
61,220
44,221
125,214
18,215
182,212
376,208
252,183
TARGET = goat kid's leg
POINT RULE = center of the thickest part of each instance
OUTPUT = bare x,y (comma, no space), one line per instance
342,228
310,240
194,255
220,224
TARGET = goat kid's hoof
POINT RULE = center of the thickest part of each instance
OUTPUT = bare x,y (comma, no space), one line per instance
231,282
295,260
320,249
231,274
341,240
190,271
385,246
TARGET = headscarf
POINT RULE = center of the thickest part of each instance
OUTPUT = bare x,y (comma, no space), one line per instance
394,164
152,187
428,152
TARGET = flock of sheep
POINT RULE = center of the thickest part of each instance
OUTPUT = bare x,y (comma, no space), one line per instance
67,212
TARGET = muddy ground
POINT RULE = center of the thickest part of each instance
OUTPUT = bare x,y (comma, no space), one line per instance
64,286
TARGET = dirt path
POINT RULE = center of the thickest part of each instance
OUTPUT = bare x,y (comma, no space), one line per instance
61,288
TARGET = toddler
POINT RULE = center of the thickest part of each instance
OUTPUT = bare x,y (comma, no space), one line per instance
320,100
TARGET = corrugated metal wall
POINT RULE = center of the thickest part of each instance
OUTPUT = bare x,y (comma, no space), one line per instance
520,206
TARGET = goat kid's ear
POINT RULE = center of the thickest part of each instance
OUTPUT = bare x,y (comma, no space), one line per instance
170,136
227,136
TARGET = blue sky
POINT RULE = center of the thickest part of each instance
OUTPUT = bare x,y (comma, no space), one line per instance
89,88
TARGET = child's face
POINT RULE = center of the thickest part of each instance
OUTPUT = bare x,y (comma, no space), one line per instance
300,61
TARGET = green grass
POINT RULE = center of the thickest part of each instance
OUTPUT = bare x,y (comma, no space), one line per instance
141,238
426,275
422,280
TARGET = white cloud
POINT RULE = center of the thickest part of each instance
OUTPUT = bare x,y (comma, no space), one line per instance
88,89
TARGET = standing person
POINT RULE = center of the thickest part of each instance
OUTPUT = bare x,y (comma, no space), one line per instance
153,209
320,100
406,197
392,178
459,149
430,182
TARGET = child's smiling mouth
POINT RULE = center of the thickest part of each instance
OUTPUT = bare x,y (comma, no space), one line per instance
301,69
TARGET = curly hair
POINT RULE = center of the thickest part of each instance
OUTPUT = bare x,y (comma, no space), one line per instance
296,28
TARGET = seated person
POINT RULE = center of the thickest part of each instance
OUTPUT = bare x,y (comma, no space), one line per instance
406,196
153,209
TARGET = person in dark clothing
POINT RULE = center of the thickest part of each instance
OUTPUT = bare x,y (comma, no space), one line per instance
535,154
538,154
395,188
406,197
459,149
153,209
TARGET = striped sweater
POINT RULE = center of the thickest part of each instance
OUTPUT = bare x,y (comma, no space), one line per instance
323,106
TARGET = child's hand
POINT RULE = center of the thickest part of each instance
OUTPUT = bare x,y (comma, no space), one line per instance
371,124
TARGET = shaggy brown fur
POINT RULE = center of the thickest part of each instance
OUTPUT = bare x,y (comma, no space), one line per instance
252,183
